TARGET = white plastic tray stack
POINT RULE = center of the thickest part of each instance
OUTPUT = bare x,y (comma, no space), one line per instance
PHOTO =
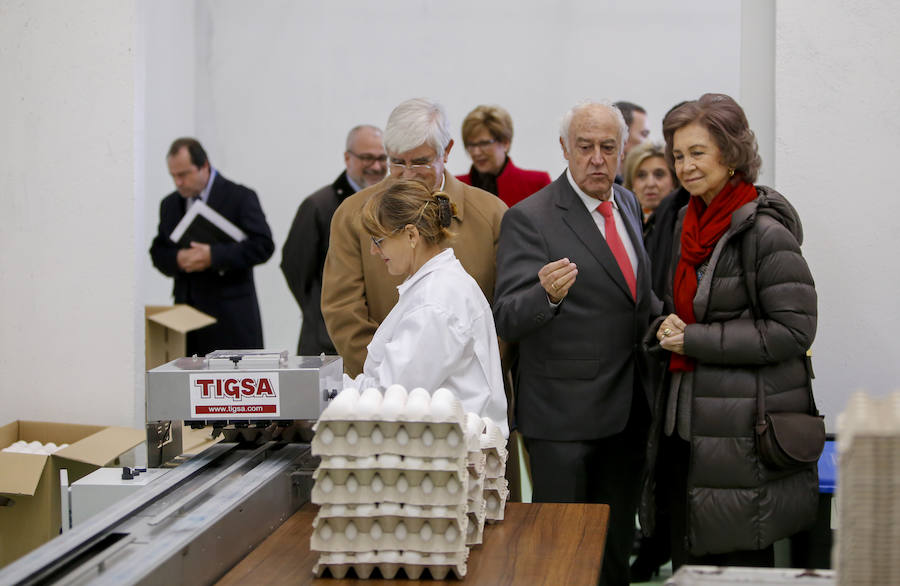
392,484
867,542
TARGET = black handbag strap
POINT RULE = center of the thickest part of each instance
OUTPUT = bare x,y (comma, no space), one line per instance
749,249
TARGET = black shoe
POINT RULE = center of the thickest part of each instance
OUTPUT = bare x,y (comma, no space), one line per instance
642,570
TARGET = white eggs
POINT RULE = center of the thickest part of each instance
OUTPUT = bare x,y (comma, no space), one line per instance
404,482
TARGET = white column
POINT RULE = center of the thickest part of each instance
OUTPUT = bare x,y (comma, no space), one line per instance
838,119
68,299
758,79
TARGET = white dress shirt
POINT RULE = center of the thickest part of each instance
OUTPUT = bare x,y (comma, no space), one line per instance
440,334
591,204
204,195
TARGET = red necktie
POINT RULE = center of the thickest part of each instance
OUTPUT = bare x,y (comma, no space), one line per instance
616,246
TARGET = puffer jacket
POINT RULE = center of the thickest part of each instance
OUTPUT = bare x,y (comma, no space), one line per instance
734,502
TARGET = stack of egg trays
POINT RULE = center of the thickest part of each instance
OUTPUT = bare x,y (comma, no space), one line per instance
475,460
496,487
868,536
391,485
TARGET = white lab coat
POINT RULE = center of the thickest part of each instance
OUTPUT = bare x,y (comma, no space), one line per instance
440,334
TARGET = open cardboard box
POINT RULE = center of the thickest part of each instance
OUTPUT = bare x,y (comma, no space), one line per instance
29,483
166,328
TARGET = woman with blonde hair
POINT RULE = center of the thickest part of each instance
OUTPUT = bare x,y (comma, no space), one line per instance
441,332
487,135
648,176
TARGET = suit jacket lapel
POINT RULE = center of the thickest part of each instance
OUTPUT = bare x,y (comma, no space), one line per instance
577,217
216,194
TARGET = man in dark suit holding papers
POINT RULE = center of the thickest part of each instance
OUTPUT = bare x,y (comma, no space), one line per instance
213,276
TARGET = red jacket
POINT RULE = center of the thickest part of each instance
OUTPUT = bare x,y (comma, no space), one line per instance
514,184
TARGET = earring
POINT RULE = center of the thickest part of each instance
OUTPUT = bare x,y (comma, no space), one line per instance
731,172
412,244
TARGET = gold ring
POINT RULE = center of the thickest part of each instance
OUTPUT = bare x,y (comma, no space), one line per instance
555,286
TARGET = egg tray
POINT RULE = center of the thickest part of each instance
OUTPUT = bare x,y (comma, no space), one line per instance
368,438
477,516
476,488
495,463
375,510
495,499
342,534
395,405
434,488
389,563
394,462
492,437
475,462
475,427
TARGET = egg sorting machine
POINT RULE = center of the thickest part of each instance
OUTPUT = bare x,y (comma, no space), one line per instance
196,521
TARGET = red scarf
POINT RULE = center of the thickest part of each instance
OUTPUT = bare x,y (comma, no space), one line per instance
703,226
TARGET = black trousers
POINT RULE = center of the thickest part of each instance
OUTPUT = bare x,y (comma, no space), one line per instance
674,456
606,470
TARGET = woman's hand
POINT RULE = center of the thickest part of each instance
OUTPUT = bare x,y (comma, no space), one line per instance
671,334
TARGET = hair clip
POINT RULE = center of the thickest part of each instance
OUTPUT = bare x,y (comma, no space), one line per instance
445,209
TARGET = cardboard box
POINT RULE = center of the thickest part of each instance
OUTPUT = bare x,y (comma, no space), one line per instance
165,330
29,483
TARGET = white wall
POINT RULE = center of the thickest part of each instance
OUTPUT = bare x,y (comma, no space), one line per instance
67,181
279,83
95,91
837,125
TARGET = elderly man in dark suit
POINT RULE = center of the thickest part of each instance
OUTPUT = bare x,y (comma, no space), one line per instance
573,289
214,277
303,255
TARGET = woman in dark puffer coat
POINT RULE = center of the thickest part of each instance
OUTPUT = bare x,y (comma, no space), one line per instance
727,507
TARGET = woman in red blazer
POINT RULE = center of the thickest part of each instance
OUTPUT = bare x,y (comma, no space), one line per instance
487,133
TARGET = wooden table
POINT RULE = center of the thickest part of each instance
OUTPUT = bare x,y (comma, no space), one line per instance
546,543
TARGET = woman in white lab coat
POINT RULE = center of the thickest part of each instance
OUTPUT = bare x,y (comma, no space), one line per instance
441,332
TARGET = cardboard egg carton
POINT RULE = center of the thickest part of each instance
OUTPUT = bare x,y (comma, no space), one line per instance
474,430
414,487
363,438
417,424
367,438
389,465
375,510
389,563
360,534
477,515
493,445
476,487
867,539
496,491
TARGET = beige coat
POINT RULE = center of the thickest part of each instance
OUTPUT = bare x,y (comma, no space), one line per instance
358,292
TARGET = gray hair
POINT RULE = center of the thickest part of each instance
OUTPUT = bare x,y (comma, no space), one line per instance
584,104
355,130
416,122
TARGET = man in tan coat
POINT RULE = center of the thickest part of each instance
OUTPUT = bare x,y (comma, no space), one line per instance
357,291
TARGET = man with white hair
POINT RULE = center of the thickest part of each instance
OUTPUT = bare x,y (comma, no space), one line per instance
357,292
573,290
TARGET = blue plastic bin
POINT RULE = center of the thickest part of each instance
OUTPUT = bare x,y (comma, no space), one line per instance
812,548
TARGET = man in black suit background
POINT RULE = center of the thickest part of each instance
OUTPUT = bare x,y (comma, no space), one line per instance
573,289
216,278
303,255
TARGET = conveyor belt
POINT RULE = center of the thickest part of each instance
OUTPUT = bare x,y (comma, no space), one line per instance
189,527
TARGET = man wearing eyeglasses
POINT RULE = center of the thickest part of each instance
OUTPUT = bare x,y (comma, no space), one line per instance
303,255
357,293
